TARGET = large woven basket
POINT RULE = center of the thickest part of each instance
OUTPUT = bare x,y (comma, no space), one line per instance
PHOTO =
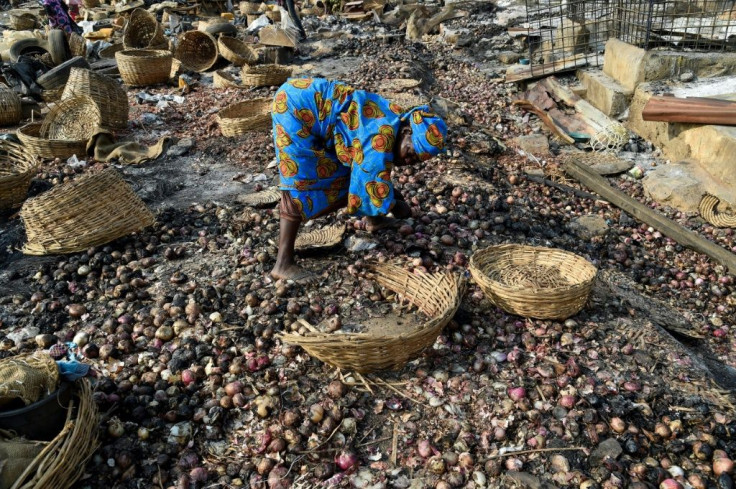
437,295
144,67
43,147
10,107
92,210
143,31
17,169
236,51
62,461
265,75
73,119
537,282
246,116
196,50
108,95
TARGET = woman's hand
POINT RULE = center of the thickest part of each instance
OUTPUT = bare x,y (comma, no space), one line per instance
401,209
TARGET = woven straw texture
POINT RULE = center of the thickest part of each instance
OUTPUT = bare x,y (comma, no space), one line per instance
708,210
265,75
236,51
196,50
143,32
72,119
436,295
325,237
92,210
249,8
62,461
17,169
77,45
144,67
108,95
222,79
54,95
10,108
536,282
29,378
242,117
263,198
22,21
39,145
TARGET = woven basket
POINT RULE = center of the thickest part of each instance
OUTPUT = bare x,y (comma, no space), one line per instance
265,75
17,169
108,95
143,31
77,45
62,461
242,117
264,198
92,210
236,51
437,295
144,67
222,79
543,283
42,147
325,237
54,95
10,107
196,50
22,21
73,119
249,8
708,209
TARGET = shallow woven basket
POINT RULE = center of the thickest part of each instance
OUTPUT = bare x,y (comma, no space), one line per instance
265,75
17,169
108,95
324,237
144,67
42,147
249,8
437,295
143,31
708,209
92,210
73,119
222,79
263,198
236,51
543,283
22,21
63,460
10,107
196,50
246,116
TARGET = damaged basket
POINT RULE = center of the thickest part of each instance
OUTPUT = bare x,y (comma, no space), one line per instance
107,94
17,169
537,282
91,210
436,295
242,117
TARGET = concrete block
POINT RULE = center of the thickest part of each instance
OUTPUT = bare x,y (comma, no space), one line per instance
605,93
535,144
624,63
676,185
714,147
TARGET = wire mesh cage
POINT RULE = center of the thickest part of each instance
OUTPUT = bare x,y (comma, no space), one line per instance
566,34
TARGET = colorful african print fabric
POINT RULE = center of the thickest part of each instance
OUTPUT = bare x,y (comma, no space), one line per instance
59,17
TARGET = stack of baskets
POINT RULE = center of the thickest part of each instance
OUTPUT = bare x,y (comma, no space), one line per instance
265,75
90,211
242,117
537,282
10,107
142,67
143,31
196,50
17,169
437,295
236,51
108,95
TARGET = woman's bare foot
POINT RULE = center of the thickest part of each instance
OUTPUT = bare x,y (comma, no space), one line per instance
376,223
294,273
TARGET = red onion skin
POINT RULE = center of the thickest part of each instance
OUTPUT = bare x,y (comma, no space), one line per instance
346,460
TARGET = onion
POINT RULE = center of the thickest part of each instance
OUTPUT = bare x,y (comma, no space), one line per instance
670,484
346,459
516,393
722,465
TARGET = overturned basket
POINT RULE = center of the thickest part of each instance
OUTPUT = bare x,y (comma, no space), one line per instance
196,50
73,119
222,79
108,95
91,210
236,51
437,295
242,117
38,144
61,462
264,75
543,283
10,107
17,169
144,67
143,31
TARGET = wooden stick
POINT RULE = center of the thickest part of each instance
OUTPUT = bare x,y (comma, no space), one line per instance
537,450
565,188
638,210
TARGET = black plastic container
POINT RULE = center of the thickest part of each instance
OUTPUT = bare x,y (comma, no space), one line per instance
43,419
